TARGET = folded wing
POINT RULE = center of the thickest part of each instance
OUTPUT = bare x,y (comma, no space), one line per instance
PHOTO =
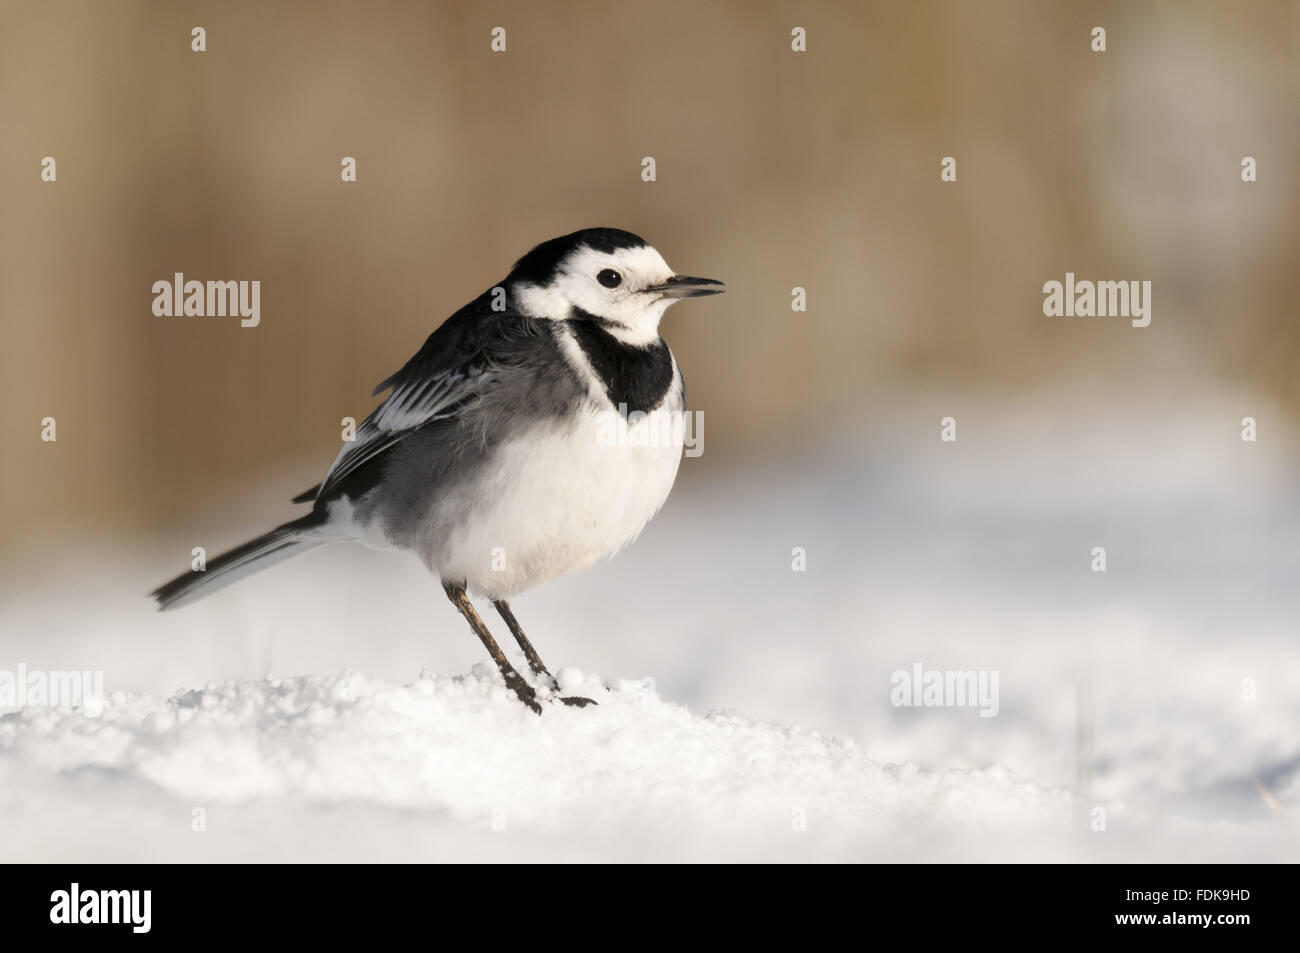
456,362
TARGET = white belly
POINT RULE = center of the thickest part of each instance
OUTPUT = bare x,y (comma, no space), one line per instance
561,499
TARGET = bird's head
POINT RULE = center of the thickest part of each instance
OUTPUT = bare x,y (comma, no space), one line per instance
605,275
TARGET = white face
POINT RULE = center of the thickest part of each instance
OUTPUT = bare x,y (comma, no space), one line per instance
586,280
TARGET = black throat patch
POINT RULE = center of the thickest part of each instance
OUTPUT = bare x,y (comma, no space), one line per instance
635,378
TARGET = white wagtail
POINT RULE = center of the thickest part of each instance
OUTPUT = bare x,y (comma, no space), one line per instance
491,459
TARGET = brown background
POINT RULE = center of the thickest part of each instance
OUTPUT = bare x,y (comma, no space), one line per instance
775,169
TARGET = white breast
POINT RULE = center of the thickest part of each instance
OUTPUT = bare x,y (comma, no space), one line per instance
563,497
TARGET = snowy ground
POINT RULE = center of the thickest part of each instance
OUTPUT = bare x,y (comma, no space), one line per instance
457,762
1120,690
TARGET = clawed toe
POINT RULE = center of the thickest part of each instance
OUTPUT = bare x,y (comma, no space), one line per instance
525,693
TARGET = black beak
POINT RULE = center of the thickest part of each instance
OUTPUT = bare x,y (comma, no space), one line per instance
682,286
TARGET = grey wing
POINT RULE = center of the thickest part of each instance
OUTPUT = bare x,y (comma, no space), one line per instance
413,403
457,361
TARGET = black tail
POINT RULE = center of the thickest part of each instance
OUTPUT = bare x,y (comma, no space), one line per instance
276,546
307,496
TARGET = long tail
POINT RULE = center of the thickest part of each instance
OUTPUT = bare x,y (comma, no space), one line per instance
276,546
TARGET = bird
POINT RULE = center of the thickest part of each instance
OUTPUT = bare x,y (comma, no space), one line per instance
507,453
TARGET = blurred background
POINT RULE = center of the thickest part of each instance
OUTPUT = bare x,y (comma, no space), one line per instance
775,169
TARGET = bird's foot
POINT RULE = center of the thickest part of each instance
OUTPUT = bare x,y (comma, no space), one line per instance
544,677
524,691
528,695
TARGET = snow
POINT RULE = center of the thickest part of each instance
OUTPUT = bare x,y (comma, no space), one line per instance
461,749
1120,693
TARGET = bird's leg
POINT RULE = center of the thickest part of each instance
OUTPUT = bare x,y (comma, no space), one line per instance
534,660
514,680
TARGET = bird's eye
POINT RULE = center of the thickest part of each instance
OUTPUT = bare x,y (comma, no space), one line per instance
610,278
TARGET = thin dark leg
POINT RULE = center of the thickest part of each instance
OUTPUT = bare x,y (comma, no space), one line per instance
514,681
534,660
